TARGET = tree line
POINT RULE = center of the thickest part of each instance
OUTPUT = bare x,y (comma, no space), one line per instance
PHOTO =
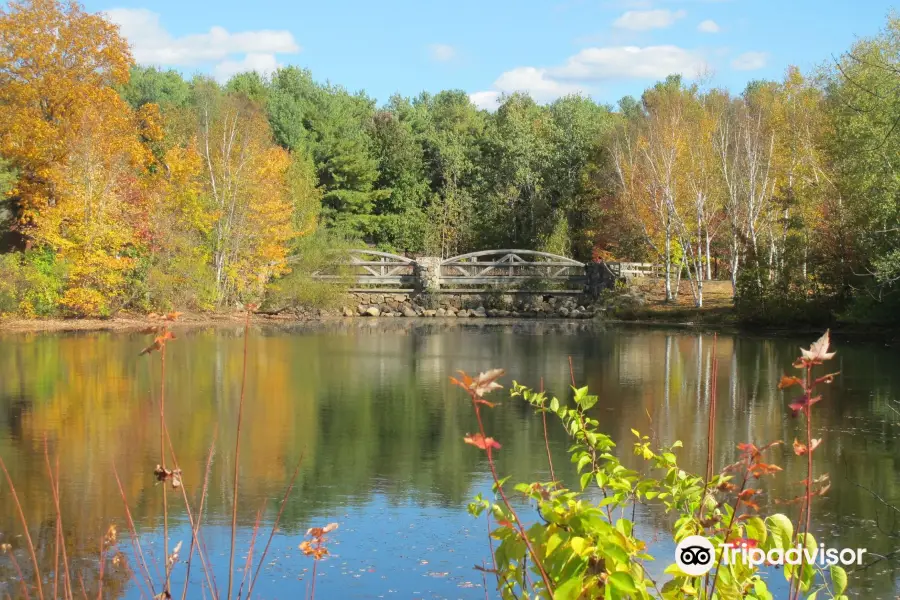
130,187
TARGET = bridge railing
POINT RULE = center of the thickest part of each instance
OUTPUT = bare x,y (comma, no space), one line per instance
371,267
634,269
509,269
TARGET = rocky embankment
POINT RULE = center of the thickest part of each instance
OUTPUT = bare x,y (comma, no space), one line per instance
544,306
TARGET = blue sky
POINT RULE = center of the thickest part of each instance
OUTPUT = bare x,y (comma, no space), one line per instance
604,48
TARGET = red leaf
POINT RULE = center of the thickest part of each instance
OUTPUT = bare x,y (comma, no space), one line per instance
801,403
760,469
748,448
747,494
479,441
156,345
827,378
801,449
787,382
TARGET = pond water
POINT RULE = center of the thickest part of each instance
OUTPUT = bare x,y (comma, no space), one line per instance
380,429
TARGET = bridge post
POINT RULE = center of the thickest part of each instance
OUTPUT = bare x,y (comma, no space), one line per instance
599,278
428,275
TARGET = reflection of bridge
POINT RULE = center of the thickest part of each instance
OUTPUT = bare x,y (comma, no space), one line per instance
507,269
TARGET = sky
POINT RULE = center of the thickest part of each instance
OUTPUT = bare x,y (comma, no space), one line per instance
602,48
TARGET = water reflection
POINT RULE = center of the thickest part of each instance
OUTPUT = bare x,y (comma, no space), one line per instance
370,408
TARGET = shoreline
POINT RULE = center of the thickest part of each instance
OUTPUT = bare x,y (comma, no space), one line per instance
135,323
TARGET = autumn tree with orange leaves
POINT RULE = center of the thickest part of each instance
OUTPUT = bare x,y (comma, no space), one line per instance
75,144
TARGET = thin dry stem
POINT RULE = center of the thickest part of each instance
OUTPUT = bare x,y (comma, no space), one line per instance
162,458
506,502
54,486
135,541
34,560
195,527
737,505
805,516
19,573
262,558
237,457
100,574
312,593
249,560
546,438
187,506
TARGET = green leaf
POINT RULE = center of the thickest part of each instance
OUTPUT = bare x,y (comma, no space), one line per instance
578,544
586,479
554,404
570,590
553,543
782,530
623,582
588,402
756,529
584,460
838,579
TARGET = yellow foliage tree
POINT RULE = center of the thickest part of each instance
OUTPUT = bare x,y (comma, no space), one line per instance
179,219
97,202
248,190
56,63
77,146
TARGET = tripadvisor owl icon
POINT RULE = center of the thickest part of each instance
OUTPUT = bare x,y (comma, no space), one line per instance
694,555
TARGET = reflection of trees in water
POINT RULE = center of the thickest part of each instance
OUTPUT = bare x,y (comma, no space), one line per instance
373,412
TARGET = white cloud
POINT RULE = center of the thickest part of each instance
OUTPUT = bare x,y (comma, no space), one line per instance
629,62
580,73
441,52
264,64
488,100
709,26
750,61
644,20
152,44
531,80
537,83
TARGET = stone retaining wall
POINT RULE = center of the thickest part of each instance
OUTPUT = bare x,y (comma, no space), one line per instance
483,305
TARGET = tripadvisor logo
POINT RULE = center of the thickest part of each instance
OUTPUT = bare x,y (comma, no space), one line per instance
695,555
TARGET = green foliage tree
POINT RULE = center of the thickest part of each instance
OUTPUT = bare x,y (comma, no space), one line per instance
149,85
863,145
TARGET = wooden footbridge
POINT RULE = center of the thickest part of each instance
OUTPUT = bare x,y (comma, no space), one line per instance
473,272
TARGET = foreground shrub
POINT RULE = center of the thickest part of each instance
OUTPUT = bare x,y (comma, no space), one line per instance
580,548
